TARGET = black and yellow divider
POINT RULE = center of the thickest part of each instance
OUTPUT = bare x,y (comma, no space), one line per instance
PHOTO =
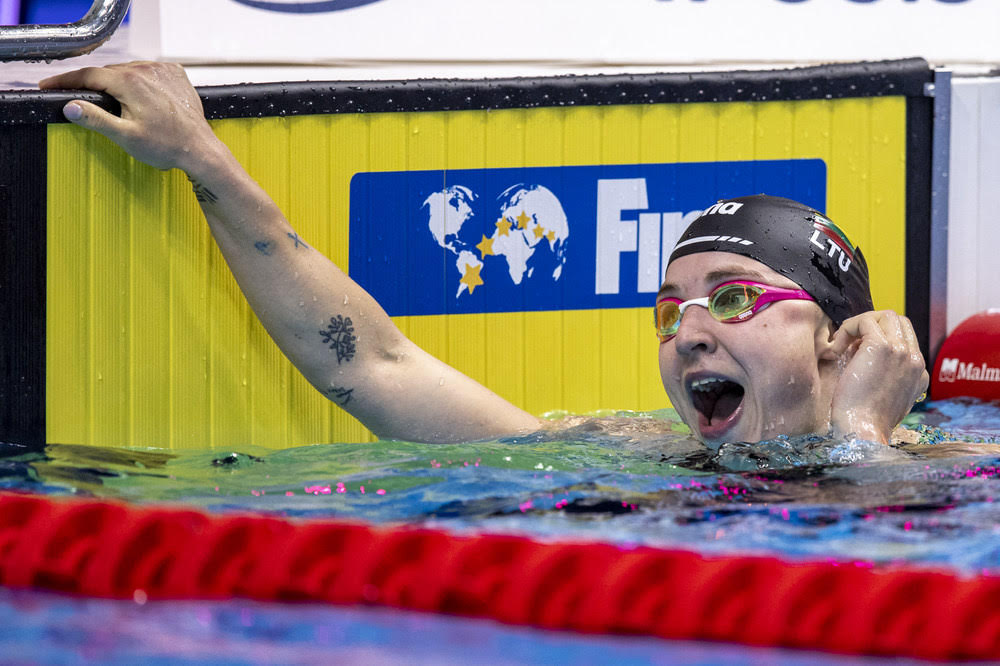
517,229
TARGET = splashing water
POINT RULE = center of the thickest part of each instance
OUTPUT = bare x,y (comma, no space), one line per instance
627,478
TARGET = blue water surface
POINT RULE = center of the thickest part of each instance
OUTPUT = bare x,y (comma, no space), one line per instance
624,478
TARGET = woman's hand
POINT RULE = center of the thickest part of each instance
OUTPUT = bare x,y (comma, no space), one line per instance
884,373
162,122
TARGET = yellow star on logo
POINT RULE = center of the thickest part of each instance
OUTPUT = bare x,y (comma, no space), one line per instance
539,232
485,246
471,278
551,235
522,220
503,226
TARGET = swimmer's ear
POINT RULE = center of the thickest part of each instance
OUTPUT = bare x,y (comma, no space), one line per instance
825,349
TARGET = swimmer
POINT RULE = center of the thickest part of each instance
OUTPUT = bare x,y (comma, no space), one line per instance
766,335
785,339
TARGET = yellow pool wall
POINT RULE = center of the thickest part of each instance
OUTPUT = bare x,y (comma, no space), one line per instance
150,342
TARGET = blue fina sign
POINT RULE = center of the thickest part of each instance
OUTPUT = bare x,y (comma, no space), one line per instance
541,238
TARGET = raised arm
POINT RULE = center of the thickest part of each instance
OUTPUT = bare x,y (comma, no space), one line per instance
326,324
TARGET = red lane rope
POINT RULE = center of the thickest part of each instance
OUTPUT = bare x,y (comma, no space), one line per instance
109,549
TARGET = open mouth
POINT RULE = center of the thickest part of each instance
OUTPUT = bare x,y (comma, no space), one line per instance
717,399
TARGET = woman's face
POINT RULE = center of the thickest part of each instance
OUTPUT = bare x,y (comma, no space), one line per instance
750,381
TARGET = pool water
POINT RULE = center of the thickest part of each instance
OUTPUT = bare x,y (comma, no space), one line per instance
623,478
633,478
41,628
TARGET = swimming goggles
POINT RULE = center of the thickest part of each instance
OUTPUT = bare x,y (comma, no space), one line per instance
730,302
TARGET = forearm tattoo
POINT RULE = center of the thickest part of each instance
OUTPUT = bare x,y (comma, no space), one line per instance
339,334
266,248
298,241
339,394
202,193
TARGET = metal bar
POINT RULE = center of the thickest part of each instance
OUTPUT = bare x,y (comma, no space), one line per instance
939,212
53,42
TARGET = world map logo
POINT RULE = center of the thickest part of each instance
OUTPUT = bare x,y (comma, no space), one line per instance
524,240
429,242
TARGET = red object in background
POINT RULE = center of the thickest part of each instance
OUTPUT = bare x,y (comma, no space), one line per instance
111,549
968,364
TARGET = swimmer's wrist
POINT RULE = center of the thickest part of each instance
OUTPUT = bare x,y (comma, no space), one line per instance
212,159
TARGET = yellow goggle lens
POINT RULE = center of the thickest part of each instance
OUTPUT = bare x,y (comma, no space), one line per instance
733,300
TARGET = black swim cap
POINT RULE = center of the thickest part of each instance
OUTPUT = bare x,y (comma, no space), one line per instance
794,240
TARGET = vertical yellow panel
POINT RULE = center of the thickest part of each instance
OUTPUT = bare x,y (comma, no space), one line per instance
150,309
773,131
235,376
109,288
810,132
850,186
659,132
698,133
189,281
67,299
736,136
887,205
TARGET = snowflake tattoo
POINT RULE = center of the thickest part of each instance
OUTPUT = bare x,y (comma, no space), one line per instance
339,334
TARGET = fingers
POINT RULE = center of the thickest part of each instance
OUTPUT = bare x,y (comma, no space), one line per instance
886,342
161,123
882,328
110,78
95,118
881,378
916,359
88,78
865,326
911,341
84,113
